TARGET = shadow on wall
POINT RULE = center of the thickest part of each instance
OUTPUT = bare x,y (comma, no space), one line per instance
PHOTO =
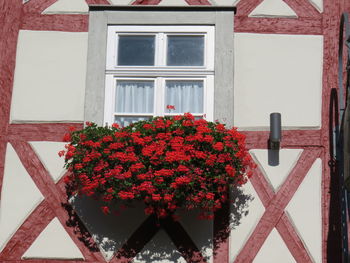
132,234
334,237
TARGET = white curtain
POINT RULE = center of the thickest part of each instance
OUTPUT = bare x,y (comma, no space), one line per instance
134,96
186,96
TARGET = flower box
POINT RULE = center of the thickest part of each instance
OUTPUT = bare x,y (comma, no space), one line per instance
166,162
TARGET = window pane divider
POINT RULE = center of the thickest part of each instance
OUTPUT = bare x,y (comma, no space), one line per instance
163,73
133,114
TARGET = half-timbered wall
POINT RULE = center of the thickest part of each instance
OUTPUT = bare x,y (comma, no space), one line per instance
285,55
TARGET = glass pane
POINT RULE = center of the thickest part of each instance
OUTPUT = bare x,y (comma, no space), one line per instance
185,51
125,121
134,96
184,95
136,50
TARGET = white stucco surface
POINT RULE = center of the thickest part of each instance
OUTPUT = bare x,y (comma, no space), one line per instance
53,243
274,250
224,2
278,73
273,8
19,196
159,250
48,154
121,2
200,231
110,231
50,73
245,219
276,175
306,213
67,7
318,4
173,2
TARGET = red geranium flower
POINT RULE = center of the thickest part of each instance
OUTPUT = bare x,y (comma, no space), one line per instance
166,162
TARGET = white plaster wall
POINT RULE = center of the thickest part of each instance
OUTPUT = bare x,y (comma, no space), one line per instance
67,7
318,4
160,250
305,211
246,211
278,73
48,155
273,8
224,2
53,243
19,196
50,73
173,2
111,231
276,172
121,2
274,250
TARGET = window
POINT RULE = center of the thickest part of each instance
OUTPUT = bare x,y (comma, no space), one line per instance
143,58
151,67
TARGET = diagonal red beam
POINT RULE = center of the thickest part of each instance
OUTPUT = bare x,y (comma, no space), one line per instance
27,233
97,2
198,2
53,194
146,2
63,22
276,205
37,6
263,25
244,8
303,8
40,131
292,240
284,226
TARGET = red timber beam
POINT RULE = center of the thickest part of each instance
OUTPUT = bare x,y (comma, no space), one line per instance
51,207
10,13
32,19
309,21
97,2
303,8
274,215
262,25
331,236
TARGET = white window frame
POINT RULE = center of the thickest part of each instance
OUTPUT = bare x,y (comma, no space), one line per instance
102,17
159,72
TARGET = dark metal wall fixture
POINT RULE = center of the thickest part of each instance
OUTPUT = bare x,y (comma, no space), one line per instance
274,142
275,131
341,134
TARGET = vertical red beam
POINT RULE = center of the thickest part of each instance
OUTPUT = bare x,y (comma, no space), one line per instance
330,22
10,14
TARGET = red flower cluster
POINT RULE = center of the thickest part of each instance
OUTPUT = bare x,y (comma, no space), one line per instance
167,162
